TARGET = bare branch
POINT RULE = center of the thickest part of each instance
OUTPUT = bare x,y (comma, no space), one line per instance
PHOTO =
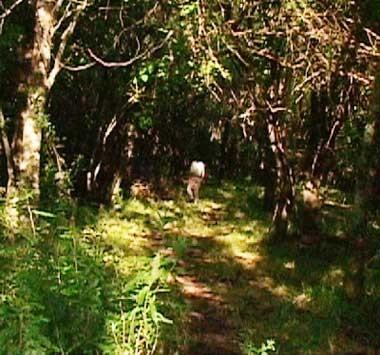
7,12
110,8
366,80
58,5
66,14
276,109
310,78
62,46
236,53
370,34
265,54
132,60
78,68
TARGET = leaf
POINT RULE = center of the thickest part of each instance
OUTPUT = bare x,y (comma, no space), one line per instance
43,214
154,313
144,77
189,9
163,319
150,68
156,271
142,295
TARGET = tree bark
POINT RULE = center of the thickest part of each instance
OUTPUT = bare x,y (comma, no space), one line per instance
8,155
284,187
27,140
367,197
40,75
224,149
110,164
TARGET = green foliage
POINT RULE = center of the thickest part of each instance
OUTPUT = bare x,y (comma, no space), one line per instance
189,9
265,348
88,280
371,10
56,295
144,74
134,328
180,246
53,295
269,90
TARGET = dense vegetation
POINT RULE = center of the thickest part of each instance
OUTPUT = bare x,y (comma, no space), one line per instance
103,106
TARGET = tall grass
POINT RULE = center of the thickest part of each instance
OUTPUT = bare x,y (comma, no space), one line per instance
60,294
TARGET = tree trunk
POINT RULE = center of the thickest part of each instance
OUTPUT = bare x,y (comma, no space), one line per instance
367,198
284,187
223,164
267,171
368,168
27,140
375,168
110,163
8,155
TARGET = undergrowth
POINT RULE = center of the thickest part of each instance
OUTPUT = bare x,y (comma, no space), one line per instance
61,290
77,279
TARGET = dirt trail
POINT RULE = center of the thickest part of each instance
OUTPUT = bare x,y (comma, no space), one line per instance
211,330
211,326
214,244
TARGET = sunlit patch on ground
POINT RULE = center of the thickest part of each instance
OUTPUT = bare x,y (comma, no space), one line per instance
235,287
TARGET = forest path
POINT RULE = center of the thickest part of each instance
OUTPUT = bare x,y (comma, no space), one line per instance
210,325
213,272
232,292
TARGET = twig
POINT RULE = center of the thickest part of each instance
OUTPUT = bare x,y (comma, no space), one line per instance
311,77
31,220
132,60
66,14
358,77
78,68
237,54
7,12
263,53
62,46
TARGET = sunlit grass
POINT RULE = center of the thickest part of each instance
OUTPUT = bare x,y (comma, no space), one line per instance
216,250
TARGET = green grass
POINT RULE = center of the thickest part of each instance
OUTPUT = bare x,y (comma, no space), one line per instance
166,275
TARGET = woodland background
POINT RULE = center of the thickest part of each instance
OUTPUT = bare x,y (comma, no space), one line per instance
103,106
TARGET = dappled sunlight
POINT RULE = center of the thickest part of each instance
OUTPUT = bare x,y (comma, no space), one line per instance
189,177
208,206
248,260
334,276
194,230
193,288
122,234
212,245
269,284
227,195
227,281
302,300
137,206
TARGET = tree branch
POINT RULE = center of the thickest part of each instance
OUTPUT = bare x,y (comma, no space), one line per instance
7,12
66,14
132,60
78,68
62,46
